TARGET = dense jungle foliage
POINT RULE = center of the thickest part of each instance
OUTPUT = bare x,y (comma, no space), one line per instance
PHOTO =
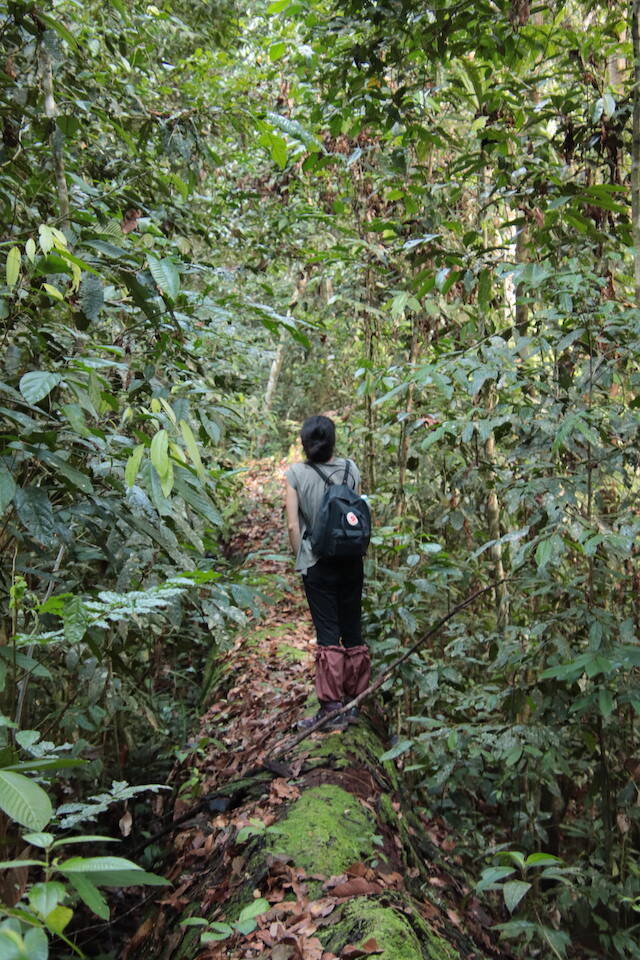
218,218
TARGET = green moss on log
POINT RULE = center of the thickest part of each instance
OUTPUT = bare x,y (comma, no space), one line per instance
364,918
357,745
325,831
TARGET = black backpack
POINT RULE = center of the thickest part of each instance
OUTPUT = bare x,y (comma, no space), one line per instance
342,527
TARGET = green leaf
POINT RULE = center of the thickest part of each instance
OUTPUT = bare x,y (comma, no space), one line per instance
166,481
91,297
166,275
110,872
85,838
36,944
35,386
254,909
541,859
194,922
78,479
606,702
53,292
58,919
39,839
7,488
544,552
24,801
90,895
46,238
13,266
515,856
96,865
11,945
401,747
491,877
513,892
44,897
30,249
192,448
197,500
36,513
159,452
278,151
59,763
133,465
19,864
277,50
76,620
217,931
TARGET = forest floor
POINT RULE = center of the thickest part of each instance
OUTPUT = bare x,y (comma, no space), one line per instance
261,689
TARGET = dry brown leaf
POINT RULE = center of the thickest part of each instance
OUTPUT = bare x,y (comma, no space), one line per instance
332,881
125,823
281,790
360,870
352,952
438,882
393,879
323,907
176,898
356,887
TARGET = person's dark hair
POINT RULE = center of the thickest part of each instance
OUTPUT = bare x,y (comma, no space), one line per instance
318,435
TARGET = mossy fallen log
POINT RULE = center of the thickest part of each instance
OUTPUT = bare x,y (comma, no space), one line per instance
343,860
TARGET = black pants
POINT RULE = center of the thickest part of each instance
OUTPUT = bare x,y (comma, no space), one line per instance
334,593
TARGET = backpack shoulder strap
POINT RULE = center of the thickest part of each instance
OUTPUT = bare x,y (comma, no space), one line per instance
347,468
314,466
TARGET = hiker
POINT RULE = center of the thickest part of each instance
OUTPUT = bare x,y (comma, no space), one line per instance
333,584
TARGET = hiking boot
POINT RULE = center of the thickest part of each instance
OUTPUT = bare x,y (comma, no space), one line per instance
326,708
352,715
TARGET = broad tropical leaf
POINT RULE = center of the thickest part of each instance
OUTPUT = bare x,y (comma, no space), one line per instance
24,801
35,386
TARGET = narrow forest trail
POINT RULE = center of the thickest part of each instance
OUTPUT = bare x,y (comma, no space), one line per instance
346,871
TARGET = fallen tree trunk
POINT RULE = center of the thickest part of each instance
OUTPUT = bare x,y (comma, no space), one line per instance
313,830
342,865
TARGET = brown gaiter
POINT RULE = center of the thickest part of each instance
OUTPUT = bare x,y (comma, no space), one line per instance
357,671
330,674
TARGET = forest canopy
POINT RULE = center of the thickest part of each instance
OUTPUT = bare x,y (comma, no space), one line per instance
218,218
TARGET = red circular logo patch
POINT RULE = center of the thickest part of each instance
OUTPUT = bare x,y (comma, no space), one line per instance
352,520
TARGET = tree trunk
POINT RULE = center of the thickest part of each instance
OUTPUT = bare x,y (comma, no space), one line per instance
493,523
55,136
403,448
522,308
370,412
635,149
272,383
